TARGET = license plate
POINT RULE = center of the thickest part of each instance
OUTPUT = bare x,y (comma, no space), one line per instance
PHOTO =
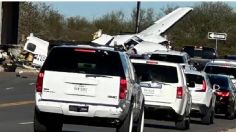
149,91
78,108
84,90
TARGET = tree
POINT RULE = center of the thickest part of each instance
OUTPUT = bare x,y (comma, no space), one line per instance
206,17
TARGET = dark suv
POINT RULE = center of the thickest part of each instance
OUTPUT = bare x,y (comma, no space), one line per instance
200,55
88,85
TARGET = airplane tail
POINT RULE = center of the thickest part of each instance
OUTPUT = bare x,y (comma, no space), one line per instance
165,22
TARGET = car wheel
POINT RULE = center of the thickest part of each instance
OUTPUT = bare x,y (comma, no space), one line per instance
230,115
42,123
140,122
183,124
127,124
208,118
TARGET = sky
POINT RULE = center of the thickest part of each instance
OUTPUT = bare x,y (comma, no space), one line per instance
92,10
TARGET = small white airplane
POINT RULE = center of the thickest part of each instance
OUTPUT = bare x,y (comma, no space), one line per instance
148,40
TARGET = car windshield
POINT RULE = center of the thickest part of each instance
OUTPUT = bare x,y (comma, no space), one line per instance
219,80
168,58
147,72
231,71
84,61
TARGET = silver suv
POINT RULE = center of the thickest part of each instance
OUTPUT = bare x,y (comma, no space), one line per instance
88,85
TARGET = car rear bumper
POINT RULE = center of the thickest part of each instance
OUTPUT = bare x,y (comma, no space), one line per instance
162,112
177,107
62,108
222,107
202,108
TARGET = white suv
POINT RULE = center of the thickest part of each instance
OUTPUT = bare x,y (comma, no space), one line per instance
165,89
88,85
203,95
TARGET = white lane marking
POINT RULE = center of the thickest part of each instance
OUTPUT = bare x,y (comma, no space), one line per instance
9,88
31,83
25,123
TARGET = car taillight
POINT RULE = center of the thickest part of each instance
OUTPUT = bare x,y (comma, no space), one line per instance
39,83
179,94
123,88
203,86
223,94
151,62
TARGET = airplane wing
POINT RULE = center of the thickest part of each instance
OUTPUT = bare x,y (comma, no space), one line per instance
165,22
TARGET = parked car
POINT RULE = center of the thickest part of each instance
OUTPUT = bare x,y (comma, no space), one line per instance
181,58
225,95
88,85
203,95
164,87
222,66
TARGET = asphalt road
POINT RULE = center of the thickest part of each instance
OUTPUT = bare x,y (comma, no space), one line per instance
17,105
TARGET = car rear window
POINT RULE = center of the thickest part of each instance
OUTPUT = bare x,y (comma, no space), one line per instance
159,73
231,71
168,58
85,61
220,80
195,78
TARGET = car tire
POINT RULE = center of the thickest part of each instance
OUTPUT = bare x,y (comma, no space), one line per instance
183,124
231,114
127,124
208,118
42,123
140,123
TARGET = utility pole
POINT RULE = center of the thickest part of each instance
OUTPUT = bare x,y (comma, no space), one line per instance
137,17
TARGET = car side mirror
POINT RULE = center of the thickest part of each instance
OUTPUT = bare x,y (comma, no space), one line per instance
191,84
216,87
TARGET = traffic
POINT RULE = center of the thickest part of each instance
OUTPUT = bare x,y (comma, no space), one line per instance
99,85
122,83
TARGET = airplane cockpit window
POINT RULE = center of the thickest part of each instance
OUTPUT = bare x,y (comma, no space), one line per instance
31,47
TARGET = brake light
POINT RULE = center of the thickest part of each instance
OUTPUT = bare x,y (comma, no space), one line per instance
123,88
85,50
223,94
179,94
203,86
39,83
151,62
